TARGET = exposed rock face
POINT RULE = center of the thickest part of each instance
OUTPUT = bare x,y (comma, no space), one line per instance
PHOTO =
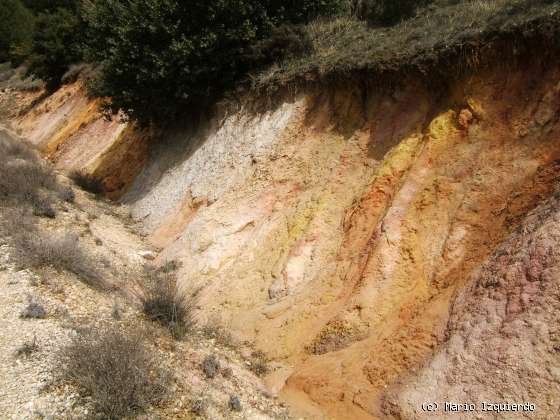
71,131
336,229
503,339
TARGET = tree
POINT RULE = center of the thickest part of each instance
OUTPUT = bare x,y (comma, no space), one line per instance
56,44
164,57
16,28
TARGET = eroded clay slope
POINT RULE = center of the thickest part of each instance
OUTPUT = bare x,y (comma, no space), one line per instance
335,229
70,130
503,340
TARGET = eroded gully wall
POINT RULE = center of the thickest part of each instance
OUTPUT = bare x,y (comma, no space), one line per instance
70,131
335,230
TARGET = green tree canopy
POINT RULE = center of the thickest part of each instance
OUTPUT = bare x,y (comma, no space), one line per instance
56,44
162,57
16,27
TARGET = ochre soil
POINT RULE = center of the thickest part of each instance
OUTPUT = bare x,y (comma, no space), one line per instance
336,230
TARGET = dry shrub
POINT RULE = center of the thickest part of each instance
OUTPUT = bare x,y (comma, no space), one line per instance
116,369
87,182
164,303
259,363
28,348
210,366
221,335
34,310
26,180
36,249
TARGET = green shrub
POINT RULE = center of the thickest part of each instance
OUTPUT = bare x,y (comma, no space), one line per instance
286,41
161,58
56,44
16,28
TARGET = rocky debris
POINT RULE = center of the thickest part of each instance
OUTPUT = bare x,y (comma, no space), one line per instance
28,348
148,255
34,310
234,403
198,407
30,384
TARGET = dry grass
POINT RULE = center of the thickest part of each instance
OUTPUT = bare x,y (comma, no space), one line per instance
214,331
116,369
15,78
36,249
25,179
441,33
164,303
259,363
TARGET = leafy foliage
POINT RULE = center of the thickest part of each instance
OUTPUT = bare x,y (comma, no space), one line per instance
56,44
38,6
163,57
16,27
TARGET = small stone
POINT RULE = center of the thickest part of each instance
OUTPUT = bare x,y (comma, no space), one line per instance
234,403
147,255
34,310
198,407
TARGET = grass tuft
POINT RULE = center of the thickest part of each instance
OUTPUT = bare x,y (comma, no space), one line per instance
444,33
36,249
164,303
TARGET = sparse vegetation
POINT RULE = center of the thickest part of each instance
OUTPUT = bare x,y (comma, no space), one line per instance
259,363
116,369
34,310
443,39
87,182
227,372
37,249
170,266
25,180
28,348
28,186
116,311
214,331
210,366
234,403
67,194
164,303
198,407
